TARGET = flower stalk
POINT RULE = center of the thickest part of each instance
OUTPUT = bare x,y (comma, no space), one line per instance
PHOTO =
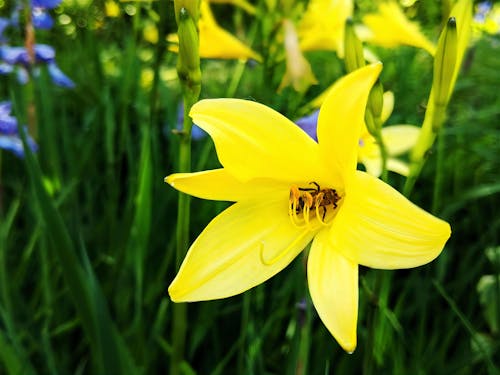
189,73
353,60
442,85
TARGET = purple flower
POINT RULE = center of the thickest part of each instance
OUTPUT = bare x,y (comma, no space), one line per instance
14,144
19,57
482,9
58,77
41,19
309,124
9,136
8,123
48,4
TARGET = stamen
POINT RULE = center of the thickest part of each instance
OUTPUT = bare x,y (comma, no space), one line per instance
320,217
319,200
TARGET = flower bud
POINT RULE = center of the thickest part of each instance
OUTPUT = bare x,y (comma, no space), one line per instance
353,48
189,58
444,63
192,6
376,99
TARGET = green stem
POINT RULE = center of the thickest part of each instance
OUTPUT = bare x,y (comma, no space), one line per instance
438,182
245,316
305,341
383,154
435,116
374,123
188,71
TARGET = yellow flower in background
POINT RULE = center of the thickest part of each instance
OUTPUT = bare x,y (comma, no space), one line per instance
322,26
150,32
111,9
390,28
290,190
298,70
215,42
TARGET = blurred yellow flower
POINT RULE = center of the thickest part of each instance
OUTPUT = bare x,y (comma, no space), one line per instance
150,33
298,70
290,190
390,28
322,25
215,42
111,8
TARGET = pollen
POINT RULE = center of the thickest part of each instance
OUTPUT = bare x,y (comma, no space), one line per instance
312,204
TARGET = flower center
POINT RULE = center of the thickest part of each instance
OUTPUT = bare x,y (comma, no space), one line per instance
308,203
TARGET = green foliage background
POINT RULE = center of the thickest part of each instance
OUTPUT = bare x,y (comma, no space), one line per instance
87,225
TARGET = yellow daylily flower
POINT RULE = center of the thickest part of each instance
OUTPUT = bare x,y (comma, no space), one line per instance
290,190
298,70
215,42
322,26
390,28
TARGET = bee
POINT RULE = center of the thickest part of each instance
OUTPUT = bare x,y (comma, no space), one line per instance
302,200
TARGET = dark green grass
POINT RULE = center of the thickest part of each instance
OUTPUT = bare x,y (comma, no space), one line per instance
87,226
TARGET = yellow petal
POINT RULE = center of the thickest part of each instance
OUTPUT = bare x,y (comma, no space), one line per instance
322,25
218,184
341,119
373,166
379,228
391,28
254,141
398,166
215,42
388,106
400,138
242,247
333,284
298,70
462,11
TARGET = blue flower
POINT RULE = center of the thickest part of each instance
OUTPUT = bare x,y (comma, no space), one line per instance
19,57
48,4
40,17
58,77
309,124
9,135
482,9
8,123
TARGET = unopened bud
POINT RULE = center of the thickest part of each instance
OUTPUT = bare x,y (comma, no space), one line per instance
376,99
445,61
189,57
353,48
192,6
